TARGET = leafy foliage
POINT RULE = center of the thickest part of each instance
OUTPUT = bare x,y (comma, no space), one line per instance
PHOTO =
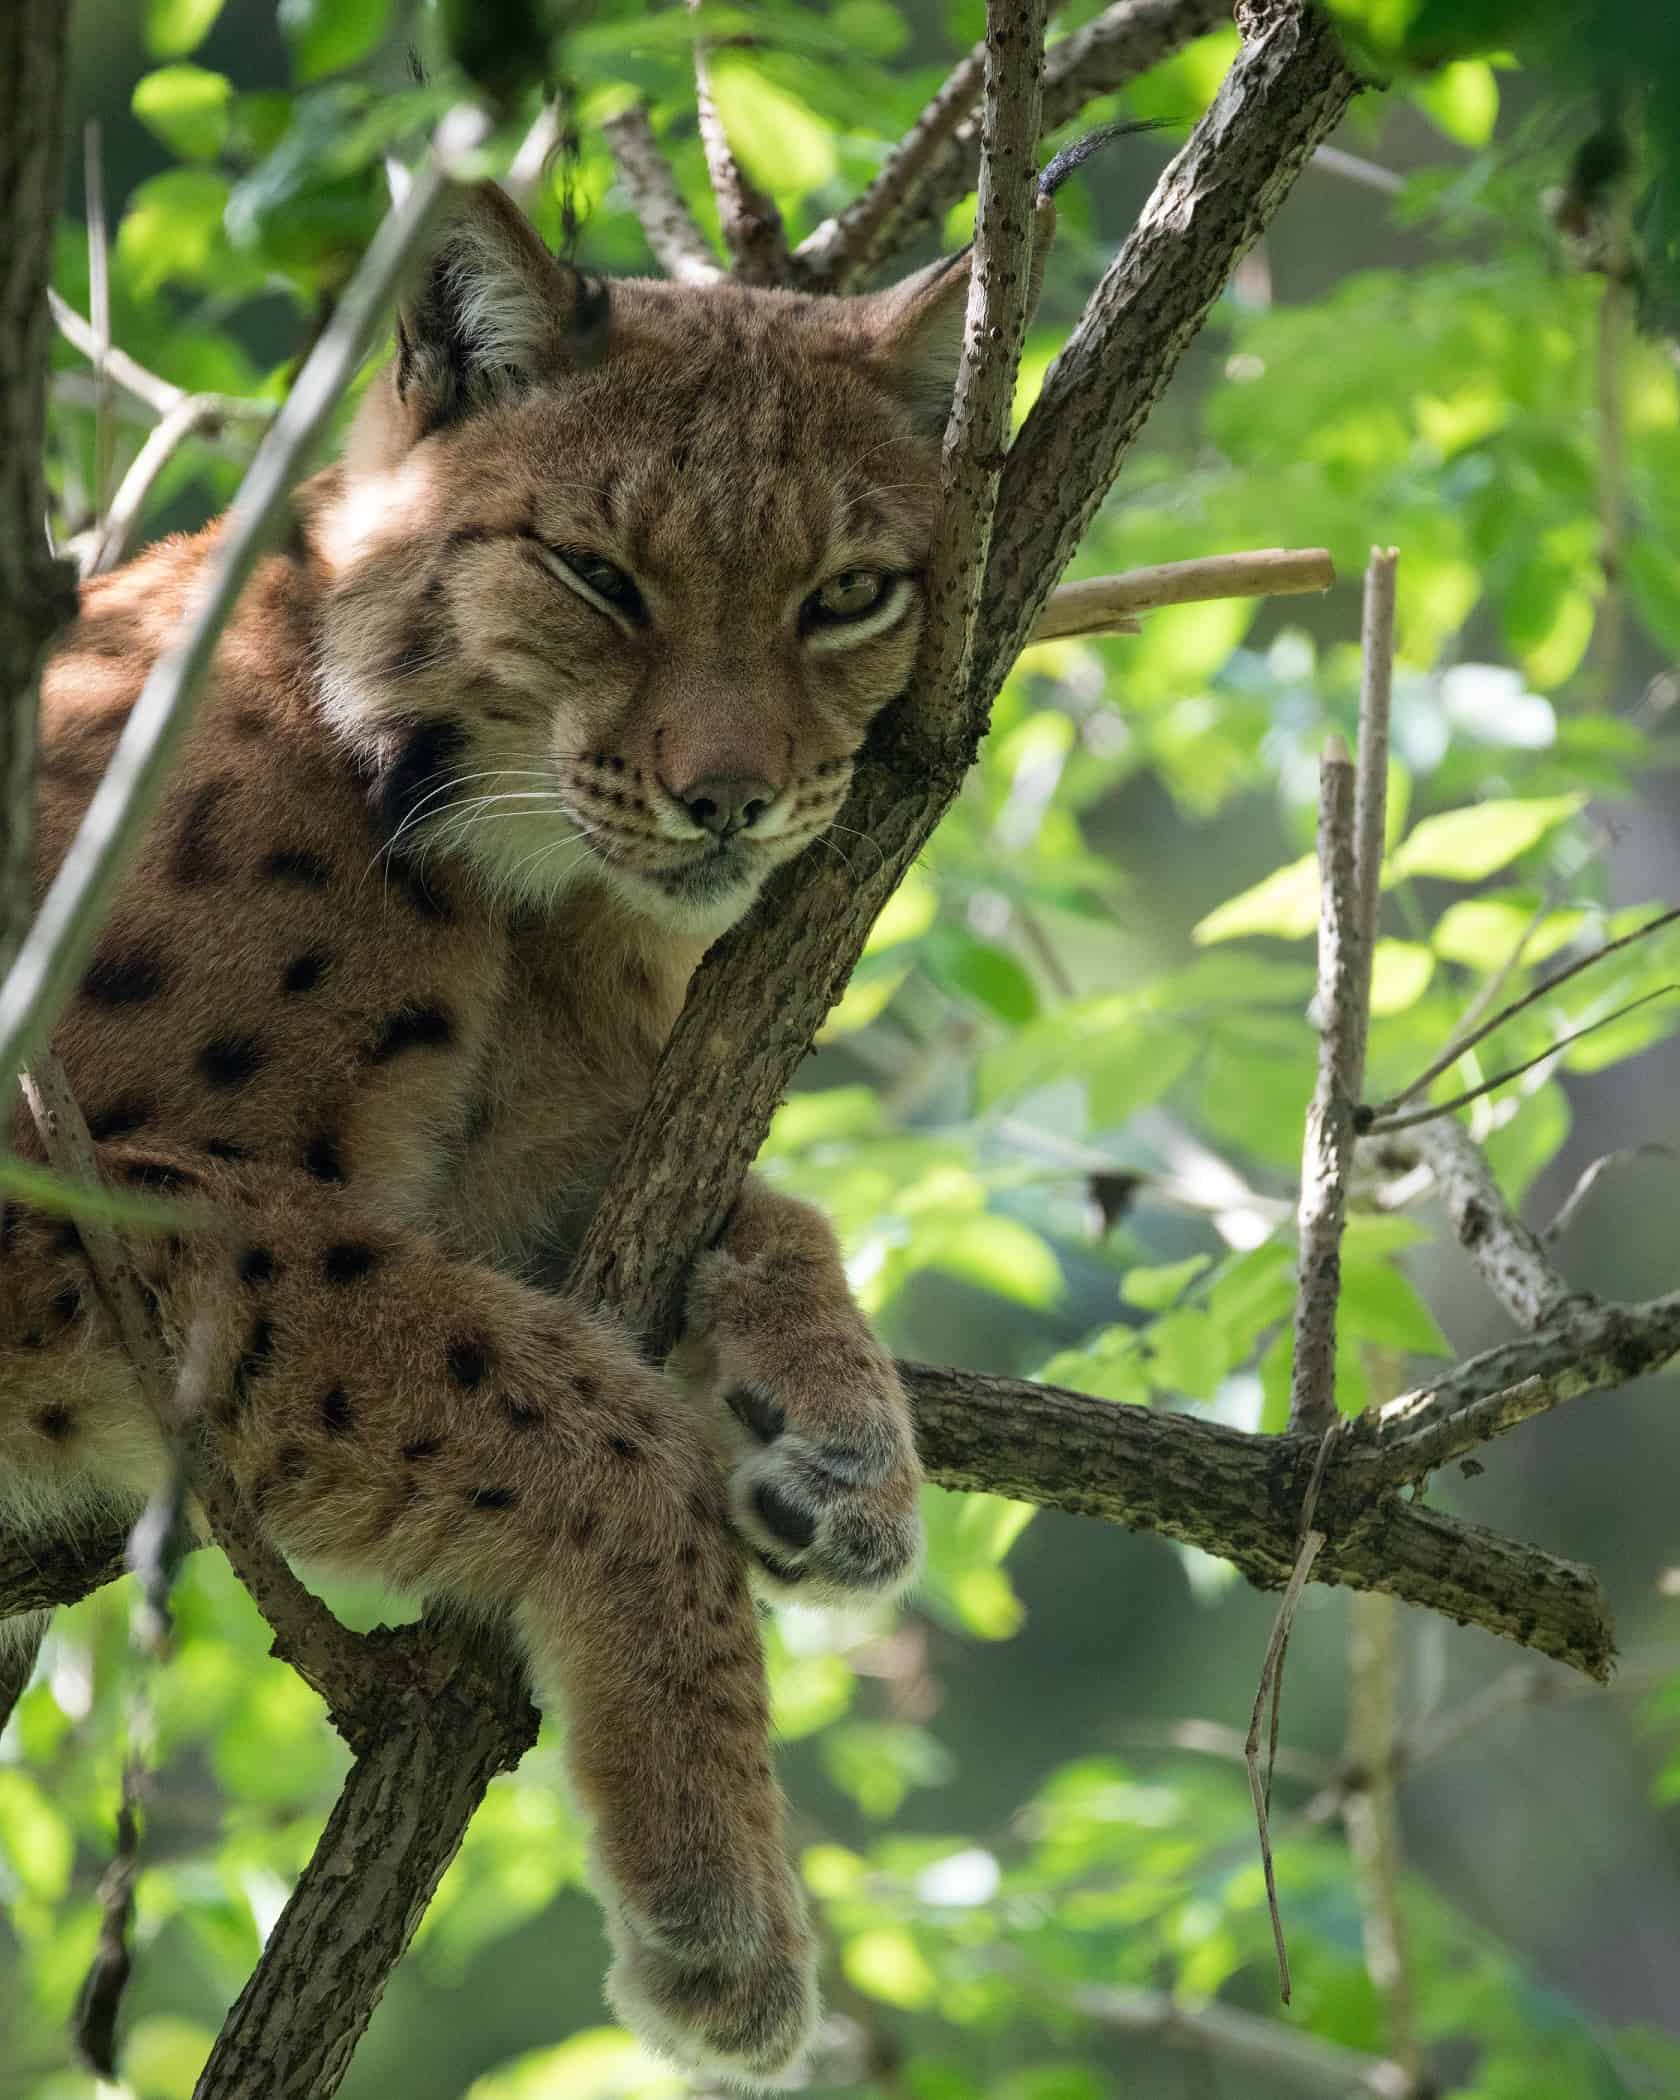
1057,1116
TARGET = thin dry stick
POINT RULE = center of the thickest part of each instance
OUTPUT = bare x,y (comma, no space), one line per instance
861,232
748,219
678,245
1107,604
1373,1123
1376,693
1468,1039
977,434
196,415
65,927
99,307
159,395
1589,1179
1269,1693
1327,1152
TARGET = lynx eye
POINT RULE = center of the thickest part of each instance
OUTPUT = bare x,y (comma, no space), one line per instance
603,583
847,596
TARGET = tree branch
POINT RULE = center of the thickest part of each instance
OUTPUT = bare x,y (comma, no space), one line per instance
998,296
1107,604
1513,1263
1285,91
748,219
1327,1148
678,245
939,159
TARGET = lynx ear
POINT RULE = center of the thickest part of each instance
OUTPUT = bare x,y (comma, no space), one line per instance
493,314
919,324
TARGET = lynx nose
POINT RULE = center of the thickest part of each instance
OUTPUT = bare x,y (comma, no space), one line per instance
727,804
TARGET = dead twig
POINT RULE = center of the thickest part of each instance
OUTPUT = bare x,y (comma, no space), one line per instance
1268,1694
1109,604
1588,1180
1466,1040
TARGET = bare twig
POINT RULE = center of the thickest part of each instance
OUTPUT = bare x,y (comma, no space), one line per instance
918,185
847,246
159,395
977,434
1249,2044
195,415
94,2028
748,219
1268,1693
1468,1039
1588,1180
1376,692
1108,604
678,245
65,927
99,308
1327,1152
1285,91
1512,1261
1375,1123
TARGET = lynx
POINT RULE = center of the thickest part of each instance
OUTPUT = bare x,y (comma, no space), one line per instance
575,645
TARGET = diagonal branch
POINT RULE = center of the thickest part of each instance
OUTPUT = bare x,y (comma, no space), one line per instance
1513,1263
939,159
1000,271
1285,91
678,245
748,219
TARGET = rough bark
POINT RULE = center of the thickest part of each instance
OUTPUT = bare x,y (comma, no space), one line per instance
37,592
450,1717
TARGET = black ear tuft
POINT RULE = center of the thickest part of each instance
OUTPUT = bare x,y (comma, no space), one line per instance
493,314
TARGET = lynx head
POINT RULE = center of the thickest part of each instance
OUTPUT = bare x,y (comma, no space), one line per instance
620,575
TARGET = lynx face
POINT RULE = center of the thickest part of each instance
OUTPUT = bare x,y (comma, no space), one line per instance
626,577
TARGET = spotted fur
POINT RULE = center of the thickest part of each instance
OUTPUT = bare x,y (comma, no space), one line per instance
385,987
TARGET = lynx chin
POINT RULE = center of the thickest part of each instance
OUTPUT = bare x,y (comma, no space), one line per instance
572,649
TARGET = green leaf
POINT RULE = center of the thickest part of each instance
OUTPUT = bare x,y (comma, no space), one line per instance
187,108
1285,904
887,1964
1380,1305
1463,99
1464,845
997,1254
1188,1352
781,141
175,27
601,2063
1400,974
981,971
1155,1289
328,35
172,229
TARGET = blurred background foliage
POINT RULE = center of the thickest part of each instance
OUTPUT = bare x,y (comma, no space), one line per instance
1057,1117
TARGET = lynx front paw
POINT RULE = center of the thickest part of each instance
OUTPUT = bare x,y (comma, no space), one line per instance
824,1480
746,2022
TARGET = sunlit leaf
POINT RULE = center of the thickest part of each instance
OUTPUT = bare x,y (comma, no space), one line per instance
328,35
187,108
1284,904
1466,844
175,27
